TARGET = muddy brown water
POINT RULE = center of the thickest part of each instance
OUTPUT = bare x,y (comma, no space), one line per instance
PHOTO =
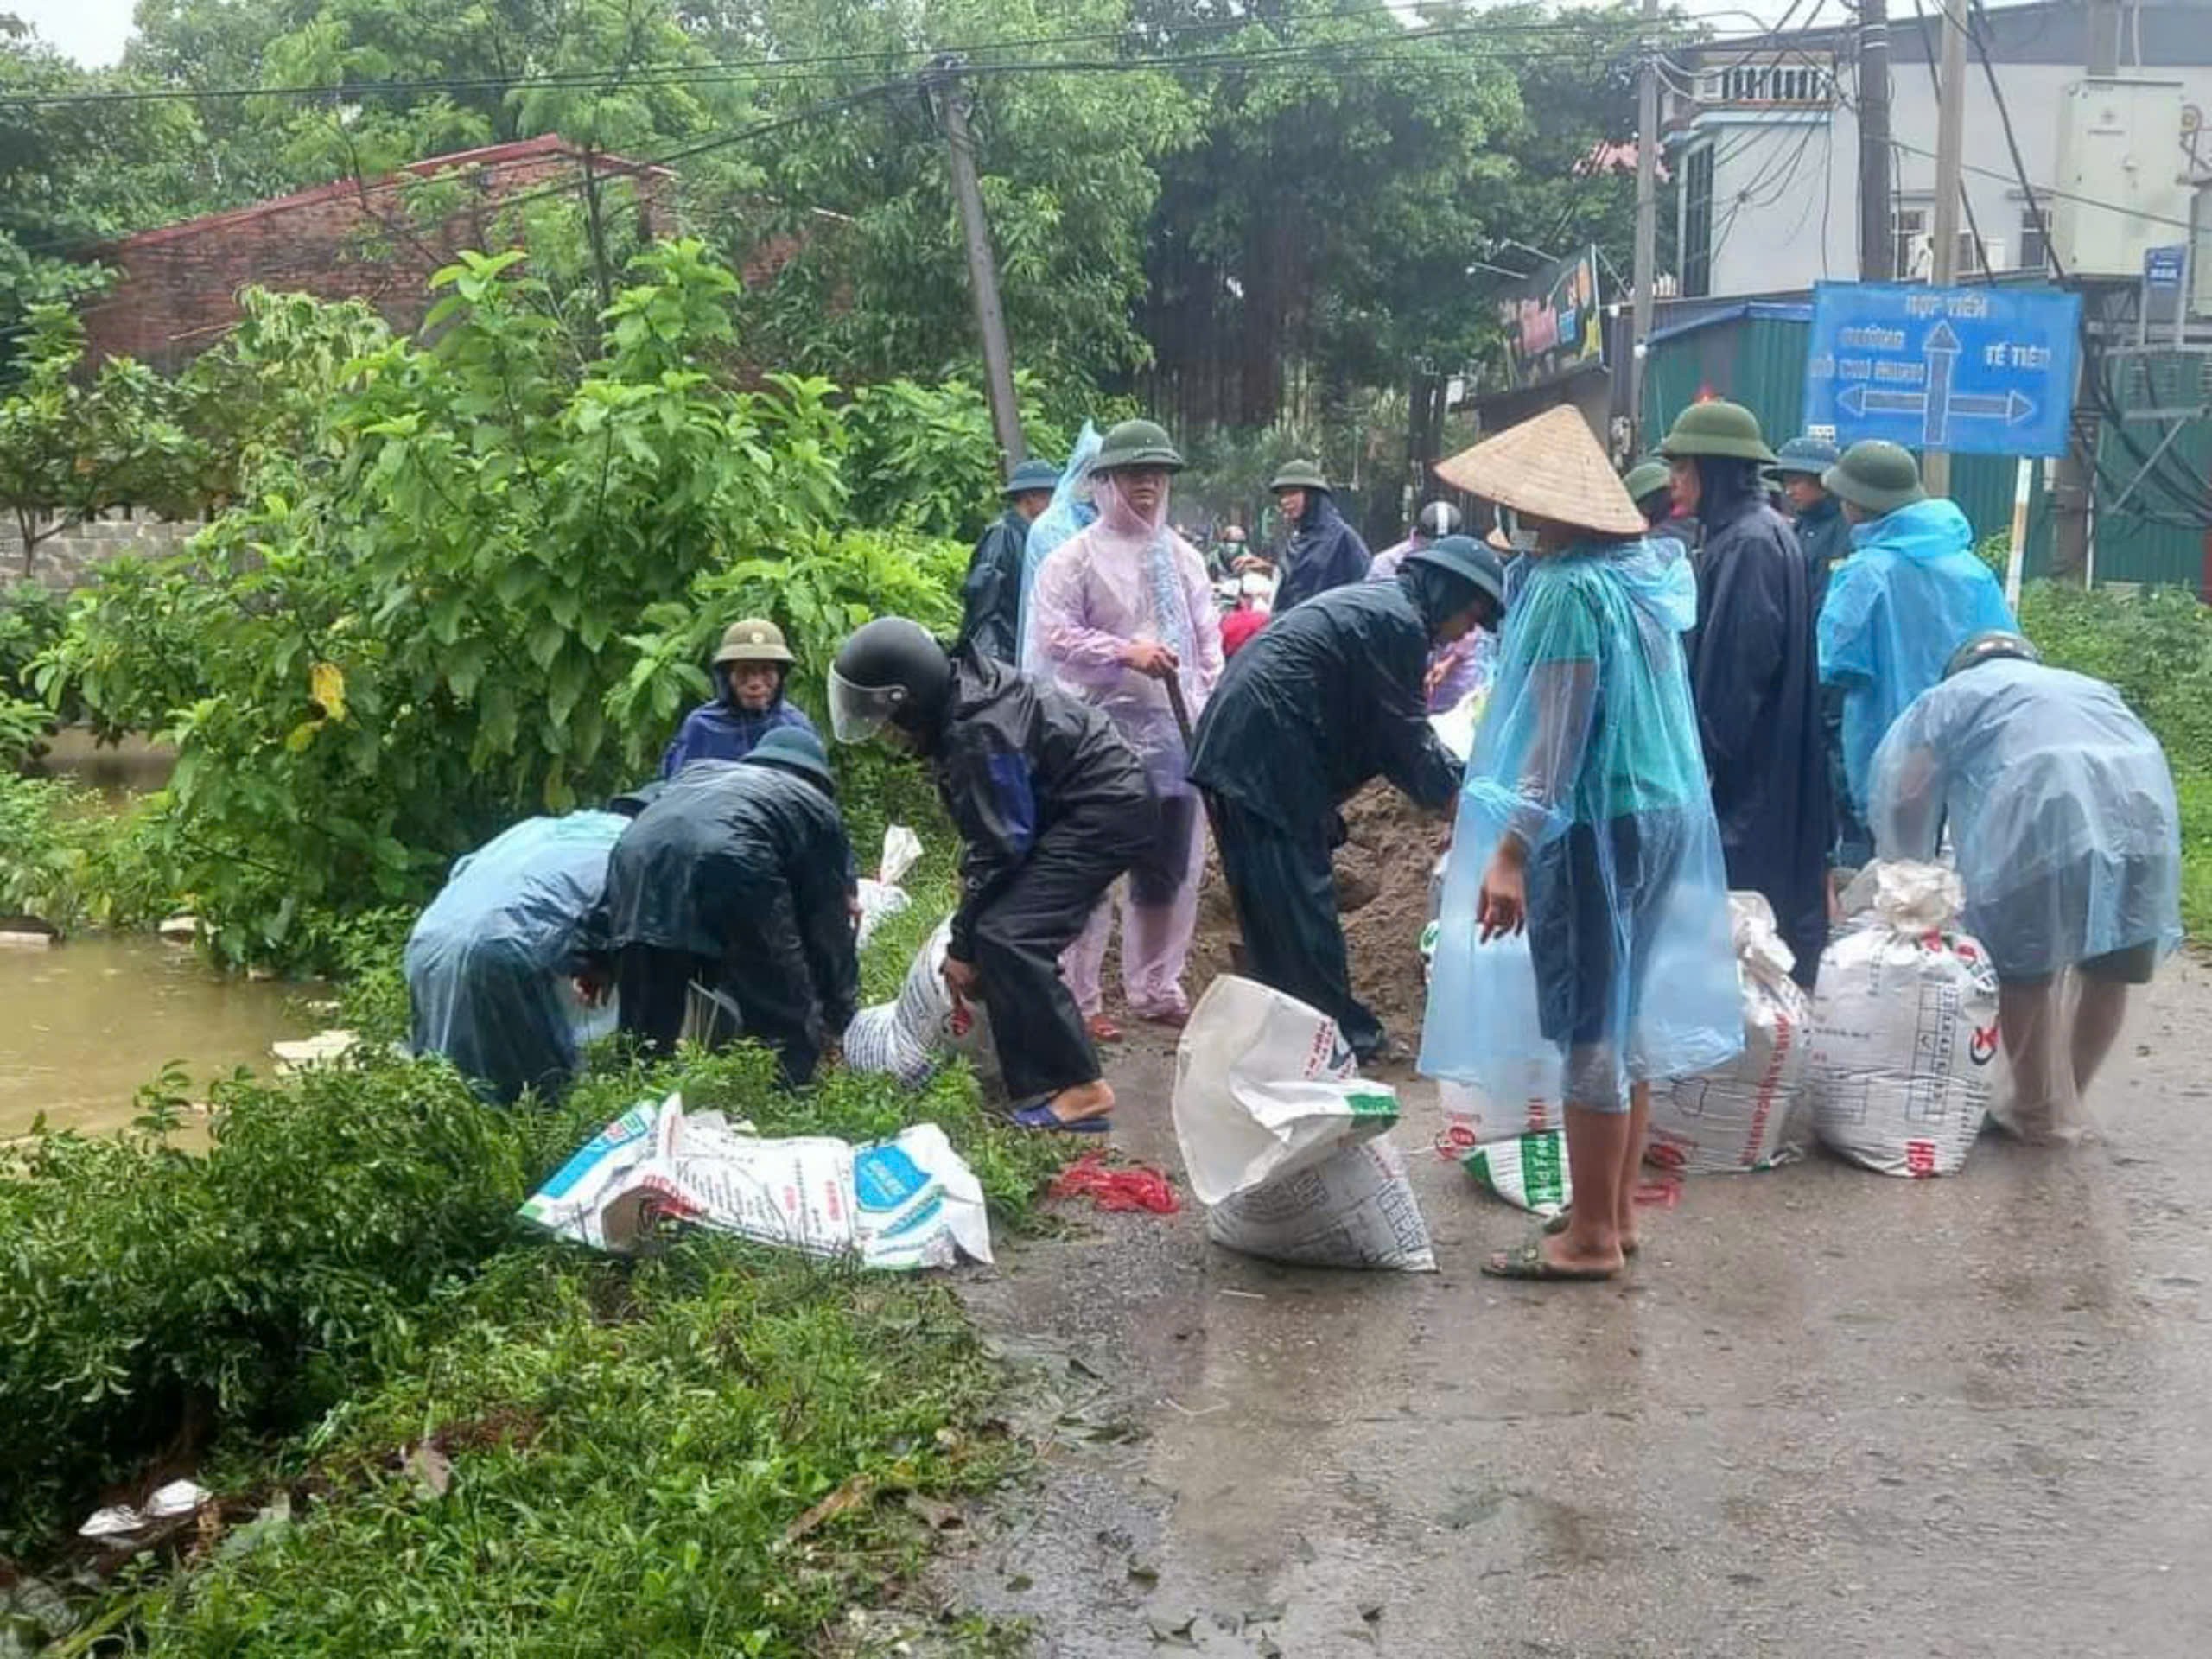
87,1021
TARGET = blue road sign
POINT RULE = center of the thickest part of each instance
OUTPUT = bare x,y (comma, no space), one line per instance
1975,371
2161,265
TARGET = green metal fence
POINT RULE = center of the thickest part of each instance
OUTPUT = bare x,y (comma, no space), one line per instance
1754,354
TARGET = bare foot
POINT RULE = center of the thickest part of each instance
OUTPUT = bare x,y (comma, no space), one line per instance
1085,1100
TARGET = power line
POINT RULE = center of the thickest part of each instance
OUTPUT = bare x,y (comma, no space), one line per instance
791,69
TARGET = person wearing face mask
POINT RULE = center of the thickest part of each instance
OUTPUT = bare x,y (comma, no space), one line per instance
1120,612
1051,806
1323,698
1585,822
1324,551
749,669
1755,676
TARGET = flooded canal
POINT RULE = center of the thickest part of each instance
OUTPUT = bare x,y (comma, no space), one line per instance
86,1022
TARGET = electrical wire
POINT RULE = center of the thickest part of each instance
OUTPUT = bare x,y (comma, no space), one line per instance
822,65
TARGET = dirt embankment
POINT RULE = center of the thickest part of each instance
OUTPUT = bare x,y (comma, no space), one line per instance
1382,872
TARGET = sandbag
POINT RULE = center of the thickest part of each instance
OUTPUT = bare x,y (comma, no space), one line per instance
1265,1086
1281,1138
1744,1115
927,1026
1902,1061
1530,1172
1514,1149
1354,1209
903,1204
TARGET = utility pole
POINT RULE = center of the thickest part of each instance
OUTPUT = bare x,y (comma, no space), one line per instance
1950,140
1877,235
2073,481
951,98
1647,215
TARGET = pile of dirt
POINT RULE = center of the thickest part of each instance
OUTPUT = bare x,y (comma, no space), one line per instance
1382,872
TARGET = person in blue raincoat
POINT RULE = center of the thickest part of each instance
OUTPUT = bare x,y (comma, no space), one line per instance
2061,808
750,667
1324,551
1754,676
1911,592
489,961
1584,820
990,599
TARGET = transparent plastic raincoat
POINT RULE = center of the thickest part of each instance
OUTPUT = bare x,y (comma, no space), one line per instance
488,962
1071,511
1589,753
1128,578
2059,805
1911,592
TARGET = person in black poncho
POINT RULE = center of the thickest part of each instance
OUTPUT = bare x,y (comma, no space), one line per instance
1322,700
733,880
1755,674
1051,806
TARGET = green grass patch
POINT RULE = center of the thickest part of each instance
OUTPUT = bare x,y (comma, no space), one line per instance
2155,647
718,1449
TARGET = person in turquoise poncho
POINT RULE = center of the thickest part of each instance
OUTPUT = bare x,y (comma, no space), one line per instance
1585,949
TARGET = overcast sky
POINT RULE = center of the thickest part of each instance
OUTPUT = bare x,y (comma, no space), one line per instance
93,31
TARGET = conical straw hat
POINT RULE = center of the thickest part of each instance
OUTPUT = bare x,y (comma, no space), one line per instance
1549,467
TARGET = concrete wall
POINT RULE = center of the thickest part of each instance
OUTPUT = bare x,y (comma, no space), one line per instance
1785,184
71,556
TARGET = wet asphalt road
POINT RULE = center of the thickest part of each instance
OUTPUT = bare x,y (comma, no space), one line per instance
1827,1413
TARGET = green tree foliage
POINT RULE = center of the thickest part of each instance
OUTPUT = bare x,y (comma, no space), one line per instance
480,578
73,174
878,286
73,445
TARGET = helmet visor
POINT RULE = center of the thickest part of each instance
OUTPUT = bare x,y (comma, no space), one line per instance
860,714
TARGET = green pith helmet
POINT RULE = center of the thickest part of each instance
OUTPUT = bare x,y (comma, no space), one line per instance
1990,647
1876,476
1136,443
1299,475
1033,478
1716,429
1645,478
793,750
1805,456
755,639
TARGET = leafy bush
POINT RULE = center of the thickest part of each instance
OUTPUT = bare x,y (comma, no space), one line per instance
69,862
2155,648
480,581
927,457
159,1301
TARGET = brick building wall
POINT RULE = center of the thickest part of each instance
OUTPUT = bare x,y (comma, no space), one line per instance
175,294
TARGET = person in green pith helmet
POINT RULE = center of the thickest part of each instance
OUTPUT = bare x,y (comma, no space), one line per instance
990,599
1754,675
1911,592
1815,515
1651,485
1324,551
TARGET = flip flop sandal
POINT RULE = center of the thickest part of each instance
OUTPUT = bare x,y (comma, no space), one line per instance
1173,1019
1530,1262
1554,1225
1039,1115
1102,1029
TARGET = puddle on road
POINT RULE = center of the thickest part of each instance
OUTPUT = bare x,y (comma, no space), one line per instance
87,1021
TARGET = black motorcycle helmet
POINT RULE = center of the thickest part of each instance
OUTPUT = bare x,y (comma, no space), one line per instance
1993,645
889,673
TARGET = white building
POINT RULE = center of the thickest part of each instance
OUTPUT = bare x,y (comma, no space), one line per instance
1763,143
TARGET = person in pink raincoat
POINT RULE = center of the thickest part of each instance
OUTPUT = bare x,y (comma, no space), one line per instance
1118,610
